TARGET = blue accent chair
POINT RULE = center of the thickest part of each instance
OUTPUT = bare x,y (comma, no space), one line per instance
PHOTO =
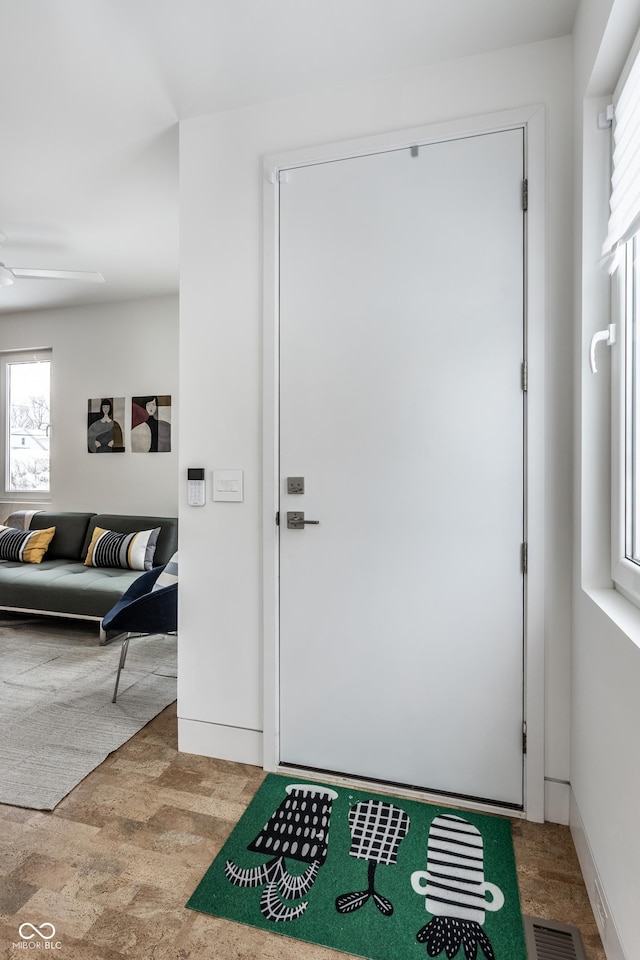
142,610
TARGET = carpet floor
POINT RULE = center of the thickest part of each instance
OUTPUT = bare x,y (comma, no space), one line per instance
56,714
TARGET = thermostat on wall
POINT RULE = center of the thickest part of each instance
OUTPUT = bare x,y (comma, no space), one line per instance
228,485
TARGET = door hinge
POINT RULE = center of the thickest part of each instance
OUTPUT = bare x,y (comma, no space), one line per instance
524,737
524,556
524,375
278,519
525,195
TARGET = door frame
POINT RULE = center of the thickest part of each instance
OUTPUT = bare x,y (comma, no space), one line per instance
532,121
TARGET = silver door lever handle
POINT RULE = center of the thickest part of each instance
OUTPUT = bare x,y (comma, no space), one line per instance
296,520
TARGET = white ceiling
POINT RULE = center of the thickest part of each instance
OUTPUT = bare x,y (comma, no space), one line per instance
92,92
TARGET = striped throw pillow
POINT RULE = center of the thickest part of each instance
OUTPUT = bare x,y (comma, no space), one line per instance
169,575
130,551
26,546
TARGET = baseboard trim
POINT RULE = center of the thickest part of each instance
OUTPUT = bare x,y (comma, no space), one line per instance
219,741
607,928
557,801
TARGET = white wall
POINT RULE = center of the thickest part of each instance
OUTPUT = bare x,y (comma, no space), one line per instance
220,671
122,350
605,723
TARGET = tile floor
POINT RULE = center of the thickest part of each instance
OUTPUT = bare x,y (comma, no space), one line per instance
112,866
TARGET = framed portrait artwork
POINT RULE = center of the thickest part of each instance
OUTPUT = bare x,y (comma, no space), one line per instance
105,425
151,424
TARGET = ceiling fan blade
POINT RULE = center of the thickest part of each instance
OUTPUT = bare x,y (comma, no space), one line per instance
87,276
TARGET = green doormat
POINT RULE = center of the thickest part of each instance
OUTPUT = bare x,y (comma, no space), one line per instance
375,876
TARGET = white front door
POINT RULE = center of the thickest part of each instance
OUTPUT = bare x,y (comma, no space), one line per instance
401,406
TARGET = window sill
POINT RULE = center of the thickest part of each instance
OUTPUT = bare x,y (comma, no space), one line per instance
622,613
25,503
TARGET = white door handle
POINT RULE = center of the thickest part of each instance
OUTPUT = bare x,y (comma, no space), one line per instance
609,337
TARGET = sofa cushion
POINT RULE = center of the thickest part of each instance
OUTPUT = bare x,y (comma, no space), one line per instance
25,546
71,530
63,587
131,551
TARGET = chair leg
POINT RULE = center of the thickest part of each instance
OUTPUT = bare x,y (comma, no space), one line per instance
123,657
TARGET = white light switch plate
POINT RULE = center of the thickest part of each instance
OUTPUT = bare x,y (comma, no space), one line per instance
228,485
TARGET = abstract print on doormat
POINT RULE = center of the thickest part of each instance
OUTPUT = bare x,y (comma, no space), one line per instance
371,875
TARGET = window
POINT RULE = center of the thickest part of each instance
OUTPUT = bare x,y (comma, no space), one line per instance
622,252
26,430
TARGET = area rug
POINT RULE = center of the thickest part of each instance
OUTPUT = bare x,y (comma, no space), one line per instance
368,874
56,716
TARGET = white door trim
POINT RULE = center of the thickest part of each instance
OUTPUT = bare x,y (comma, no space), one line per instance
532,119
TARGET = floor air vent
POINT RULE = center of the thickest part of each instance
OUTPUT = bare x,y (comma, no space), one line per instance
548,940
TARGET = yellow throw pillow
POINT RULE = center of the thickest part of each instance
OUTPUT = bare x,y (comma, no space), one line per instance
25,546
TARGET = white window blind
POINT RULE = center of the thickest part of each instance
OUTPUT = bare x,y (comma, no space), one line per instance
624,219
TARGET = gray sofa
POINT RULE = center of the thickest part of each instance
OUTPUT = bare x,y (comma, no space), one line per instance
62,585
